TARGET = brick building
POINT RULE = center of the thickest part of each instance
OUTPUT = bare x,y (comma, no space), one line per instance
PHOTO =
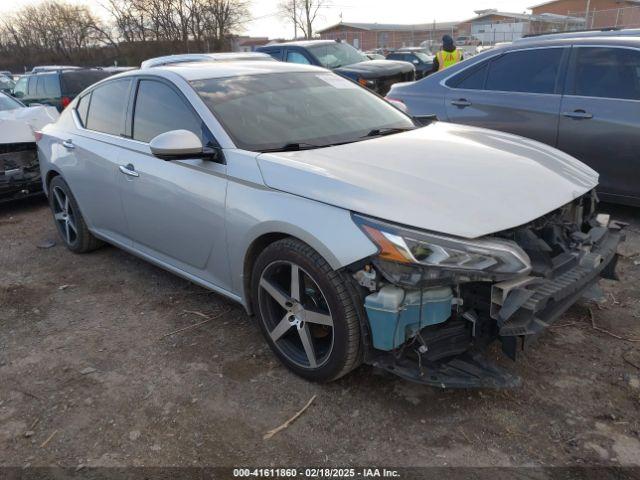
369,36
602,13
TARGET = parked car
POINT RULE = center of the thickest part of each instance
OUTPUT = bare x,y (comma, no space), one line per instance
56,88
343,59
353,235
19,169
53,68
420,60
6,84
578,93
205,57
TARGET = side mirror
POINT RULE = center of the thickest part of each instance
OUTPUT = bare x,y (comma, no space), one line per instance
176,144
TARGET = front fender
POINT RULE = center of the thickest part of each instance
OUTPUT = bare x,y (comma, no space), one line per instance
255,212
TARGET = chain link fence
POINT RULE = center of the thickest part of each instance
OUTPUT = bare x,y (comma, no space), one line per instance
626,17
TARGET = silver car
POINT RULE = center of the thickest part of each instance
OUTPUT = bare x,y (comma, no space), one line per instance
352,234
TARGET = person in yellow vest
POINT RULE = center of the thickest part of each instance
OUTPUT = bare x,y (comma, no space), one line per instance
448,56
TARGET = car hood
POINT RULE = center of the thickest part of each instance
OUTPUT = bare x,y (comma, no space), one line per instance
377,68
446,178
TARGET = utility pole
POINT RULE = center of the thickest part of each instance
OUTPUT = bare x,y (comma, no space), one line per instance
586,16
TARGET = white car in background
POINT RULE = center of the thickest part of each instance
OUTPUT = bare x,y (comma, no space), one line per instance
19,169
353,234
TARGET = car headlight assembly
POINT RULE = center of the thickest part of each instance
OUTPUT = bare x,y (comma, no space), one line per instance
407,256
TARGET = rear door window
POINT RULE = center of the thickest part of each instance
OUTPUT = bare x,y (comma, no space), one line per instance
297,57
470,79
527,71
108,107
606,73
48,86
276,53
32,89
160,109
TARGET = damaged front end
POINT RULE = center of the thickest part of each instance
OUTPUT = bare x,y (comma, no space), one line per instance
19,171
435,303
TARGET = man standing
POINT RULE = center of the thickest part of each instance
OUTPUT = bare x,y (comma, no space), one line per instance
448,56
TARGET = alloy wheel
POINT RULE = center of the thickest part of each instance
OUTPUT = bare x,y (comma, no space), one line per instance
64,215
296,314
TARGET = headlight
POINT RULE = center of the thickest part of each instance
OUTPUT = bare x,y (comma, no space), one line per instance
443,256
367,83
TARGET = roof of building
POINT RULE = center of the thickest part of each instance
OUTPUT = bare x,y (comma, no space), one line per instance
556,1
392,27
542,17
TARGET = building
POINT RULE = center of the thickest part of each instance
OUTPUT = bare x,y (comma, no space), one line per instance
248,44
370,36
601,13
493,26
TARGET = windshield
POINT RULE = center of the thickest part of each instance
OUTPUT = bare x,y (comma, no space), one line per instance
8,103
423,57
309,109
336,55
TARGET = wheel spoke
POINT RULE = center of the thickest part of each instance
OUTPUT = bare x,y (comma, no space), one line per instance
68,233
282,328
317,317
277,294
71,223
307,343
56,193
66,204
295,282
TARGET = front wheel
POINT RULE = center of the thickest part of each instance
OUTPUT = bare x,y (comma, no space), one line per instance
305,311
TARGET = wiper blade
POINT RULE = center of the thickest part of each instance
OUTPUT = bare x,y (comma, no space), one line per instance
378,132
292,147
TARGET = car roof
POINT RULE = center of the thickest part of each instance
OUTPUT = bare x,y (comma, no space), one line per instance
203,57
597,34
300,43
541,41
221,69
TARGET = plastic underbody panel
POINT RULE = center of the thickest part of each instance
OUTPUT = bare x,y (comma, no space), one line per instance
19,171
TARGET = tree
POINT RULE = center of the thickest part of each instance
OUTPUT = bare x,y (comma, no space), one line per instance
302,13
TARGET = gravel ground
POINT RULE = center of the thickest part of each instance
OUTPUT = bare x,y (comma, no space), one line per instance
89,376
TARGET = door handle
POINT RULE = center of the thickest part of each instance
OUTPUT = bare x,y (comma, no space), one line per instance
129,170
68,144
462,102
578,115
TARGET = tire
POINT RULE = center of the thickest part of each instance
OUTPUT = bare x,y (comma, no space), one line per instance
68,219
323,298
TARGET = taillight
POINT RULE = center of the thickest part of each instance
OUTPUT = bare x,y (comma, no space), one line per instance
65,101
38,135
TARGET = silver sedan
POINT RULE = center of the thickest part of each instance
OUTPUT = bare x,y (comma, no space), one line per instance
353,233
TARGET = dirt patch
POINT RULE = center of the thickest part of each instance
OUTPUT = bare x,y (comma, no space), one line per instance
92,362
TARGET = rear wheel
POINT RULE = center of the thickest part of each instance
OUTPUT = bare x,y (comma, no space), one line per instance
305,311
68,219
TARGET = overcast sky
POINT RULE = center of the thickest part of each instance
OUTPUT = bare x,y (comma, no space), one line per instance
266,21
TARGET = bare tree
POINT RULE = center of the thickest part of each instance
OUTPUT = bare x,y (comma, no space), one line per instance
303,13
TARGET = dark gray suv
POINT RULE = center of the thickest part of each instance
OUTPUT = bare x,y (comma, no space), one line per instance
577,92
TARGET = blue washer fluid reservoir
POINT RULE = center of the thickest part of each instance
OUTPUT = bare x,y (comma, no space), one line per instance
394,313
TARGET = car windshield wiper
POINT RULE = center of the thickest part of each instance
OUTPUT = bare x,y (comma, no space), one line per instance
293,147
378,132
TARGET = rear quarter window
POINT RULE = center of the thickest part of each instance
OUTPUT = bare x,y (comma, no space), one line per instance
74,82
